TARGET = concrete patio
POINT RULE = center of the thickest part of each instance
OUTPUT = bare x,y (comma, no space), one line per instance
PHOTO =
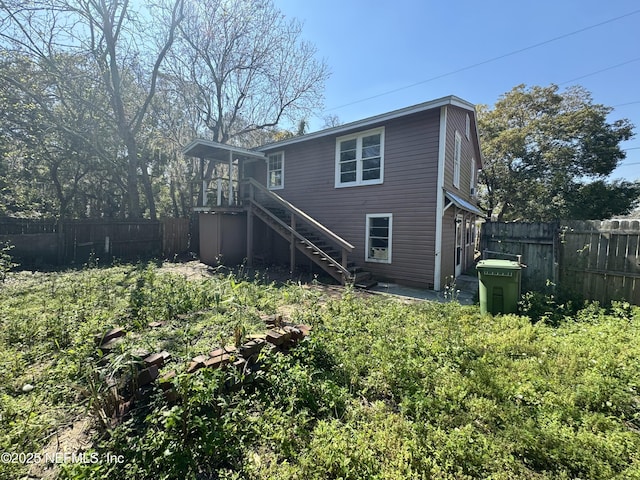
465,291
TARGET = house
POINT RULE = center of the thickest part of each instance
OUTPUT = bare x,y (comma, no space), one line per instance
390,197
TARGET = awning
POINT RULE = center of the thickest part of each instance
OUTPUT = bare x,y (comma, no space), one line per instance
463,204
218,151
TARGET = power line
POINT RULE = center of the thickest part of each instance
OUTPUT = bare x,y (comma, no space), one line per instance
627,103
601,70
484,62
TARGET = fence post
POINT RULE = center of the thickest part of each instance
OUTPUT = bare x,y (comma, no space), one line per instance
60,241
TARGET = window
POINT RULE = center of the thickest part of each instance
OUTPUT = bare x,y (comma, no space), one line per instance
378,239
275,171
472,181
468,127
457,152
360,159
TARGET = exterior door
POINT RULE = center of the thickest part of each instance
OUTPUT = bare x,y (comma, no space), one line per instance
459,245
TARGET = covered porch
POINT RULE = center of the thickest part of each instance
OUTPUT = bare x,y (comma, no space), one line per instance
221,171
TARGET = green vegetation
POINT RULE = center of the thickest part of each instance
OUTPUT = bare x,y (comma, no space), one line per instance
381,389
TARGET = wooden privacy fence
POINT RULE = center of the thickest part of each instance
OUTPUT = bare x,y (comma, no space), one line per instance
76,241
599,260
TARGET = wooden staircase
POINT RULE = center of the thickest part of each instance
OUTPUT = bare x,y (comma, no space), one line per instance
306,235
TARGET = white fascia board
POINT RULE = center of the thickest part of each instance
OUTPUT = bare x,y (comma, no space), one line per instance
359,124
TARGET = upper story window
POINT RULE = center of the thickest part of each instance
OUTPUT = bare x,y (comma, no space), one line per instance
468,127
275,171
457,153
360,159
472,182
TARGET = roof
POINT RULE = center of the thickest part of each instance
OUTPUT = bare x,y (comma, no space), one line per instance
209,149
421,107
463,204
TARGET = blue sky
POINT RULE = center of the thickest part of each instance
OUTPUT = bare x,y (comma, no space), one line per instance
374,47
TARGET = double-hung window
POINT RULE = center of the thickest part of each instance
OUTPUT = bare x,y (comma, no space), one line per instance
378,237
457,154
275,171
360,159
472,181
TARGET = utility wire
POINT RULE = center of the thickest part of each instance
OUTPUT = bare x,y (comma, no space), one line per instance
484,62
600,71
625,104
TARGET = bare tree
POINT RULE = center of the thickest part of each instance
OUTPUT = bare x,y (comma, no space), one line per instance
245,66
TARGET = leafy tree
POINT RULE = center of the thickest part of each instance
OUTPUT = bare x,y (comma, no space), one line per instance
547,155
126,45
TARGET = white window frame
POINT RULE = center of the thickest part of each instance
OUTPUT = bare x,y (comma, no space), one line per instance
281,185
358,137
467,127
457,155
372,259
472,182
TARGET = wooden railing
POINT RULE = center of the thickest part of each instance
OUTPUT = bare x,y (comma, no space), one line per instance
253,189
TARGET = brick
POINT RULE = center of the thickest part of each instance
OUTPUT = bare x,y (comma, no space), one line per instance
166,380
156,324
217,362
274,337
193,366
257,336
217,352
105,337
251,348
110,345
197,363
278,337
147,376
154,359
240,363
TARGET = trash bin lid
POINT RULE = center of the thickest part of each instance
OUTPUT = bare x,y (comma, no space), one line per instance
494,263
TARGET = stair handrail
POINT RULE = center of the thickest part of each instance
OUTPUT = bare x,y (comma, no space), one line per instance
345,272
310,220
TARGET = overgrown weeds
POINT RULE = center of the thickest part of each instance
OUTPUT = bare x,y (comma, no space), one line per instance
381,389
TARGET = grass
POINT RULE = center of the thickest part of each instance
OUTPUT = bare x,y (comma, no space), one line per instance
382,389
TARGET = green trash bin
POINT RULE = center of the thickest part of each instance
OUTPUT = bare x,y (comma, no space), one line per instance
499,286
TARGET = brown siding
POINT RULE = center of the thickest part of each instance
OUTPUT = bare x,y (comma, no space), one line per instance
456,121
223,238
408,192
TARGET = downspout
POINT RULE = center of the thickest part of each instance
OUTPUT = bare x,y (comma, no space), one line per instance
437,270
